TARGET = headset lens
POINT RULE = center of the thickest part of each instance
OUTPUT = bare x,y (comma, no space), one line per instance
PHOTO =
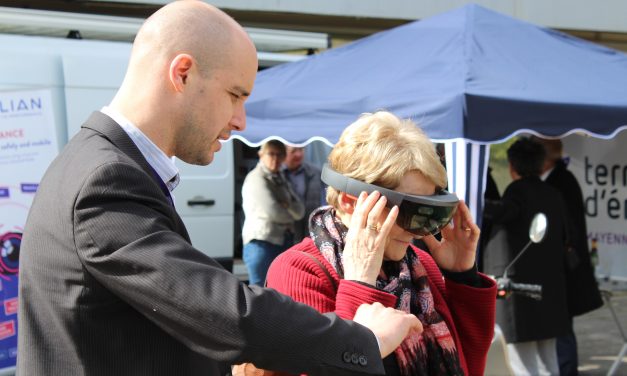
421,219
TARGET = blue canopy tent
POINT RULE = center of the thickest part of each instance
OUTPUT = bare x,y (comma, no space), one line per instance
469,77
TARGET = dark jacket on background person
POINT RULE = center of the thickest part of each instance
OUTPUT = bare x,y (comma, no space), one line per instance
521,318
583,291
312,197
491,193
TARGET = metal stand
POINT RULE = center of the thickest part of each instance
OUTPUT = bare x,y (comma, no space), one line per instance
607,296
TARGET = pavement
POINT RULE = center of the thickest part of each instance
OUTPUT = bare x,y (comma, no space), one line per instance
598,336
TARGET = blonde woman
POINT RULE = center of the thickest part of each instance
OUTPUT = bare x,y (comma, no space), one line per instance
361,249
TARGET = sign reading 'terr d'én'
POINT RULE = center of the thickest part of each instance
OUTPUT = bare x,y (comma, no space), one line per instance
601,169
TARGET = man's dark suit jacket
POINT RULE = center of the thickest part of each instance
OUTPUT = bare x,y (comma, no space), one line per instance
110,284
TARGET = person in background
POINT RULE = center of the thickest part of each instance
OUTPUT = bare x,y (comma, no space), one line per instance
358,253
305,180
581,285
270,207
110,283
530,326
491,194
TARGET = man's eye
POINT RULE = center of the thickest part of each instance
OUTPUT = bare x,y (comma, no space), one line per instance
234,95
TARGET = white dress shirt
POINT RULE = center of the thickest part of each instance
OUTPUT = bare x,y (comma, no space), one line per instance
161,163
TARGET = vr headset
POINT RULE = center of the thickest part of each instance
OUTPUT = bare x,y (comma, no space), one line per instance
420,215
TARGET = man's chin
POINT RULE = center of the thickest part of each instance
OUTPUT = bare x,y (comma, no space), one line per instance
208,158
201,160
215,147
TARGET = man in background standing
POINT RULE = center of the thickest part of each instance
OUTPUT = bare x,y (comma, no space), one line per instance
271,208
581,286
531,327
305,180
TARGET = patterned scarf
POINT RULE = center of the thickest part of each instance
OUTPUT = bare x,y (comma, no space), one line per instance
431,353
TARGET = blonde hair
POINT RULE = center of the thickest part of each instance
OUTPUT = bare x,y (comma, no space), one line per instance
380,148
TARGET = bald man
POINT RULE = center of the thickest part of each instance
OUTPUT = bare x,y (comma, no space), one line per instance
109,281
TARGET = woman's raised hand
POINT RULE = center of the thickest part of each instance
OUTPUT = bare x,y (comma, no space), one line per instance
456,251
365,240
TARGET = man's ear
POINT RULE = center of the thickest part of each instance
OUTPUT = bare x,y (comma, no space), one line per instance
512,172
180,68
347,203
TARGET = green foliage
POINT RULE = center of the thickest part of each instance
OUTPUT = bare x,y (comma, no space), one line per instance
498,163
498,152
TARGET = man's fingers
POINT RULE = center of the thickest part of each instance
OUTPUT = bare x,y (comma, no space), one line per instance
389,325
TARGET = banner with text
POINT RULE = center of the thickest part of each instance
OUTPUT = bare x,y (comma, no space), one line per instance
601,169
28,144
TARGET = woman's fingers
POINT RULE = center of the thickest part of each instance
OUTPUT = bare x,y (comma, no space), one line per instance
375,213
363,251
431,242
356,218
368,210
364,205
458,217
456,251
465,221
389,222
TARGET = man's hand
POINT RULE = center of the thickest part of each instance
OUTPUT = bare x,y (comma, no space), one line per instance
389,325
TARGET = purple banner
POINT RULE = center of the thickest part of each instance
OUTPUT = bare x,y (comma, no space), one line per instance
29,187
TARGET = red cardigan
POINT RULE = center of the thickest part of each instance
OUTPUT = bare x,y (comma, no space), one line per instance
468,311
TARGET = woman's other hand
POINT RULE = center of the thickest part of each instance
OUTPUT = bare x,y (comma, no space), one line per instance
363,251
456,251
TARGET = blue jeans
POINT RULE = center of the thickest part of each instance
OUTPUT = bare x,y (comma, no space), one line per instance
258,255
567,354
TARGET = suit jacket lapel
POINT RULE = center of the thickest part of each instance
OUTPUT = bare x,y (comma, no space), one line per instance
103,124
111,130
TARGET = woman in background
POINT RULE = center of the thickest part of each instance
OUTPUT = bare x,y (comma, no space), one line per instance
270,207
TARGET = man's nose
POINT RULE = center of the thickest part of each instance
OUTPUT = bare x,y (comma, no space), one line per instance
238,121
